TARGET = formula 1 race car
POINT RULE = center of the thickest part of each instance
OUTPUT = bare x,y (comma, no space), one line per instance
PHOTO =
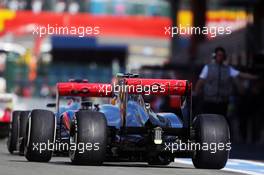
127,129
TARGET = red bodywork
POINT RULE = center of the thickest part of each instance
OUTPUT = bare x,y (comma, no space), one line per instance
6,118
133,86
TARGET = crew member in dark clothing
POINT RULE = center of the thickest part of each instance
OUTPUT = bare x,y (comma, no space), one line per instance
215,83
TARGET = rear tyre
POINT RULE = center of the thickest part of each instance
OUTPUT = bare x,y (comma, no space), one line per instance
40,135
212,130
13,133
23,118
90,130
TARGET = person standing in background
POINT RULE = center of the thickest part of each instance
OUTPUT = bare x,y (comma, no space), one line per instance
215,83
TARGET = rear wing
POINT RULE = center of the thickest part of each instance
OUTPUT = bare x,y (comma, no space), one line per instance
142,86
82,89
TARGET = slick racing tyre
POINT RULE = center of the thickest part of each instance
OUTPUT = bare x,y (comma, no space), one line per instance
211,130
90,133
39,135
23,117
13,132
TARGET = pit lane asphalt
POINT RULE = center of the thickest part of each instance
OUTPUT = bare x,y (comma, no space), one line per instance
18,165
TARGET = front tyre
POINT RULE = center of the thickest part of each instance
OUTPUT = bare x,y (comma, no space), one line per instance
211,129
89,135
40,135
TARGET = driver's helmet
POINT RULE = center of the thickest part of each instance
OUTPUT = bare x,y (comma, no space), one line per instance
72,99
73,102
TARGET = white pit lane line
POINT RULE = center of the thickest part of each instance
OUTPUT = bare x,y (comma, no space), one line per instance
235,165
